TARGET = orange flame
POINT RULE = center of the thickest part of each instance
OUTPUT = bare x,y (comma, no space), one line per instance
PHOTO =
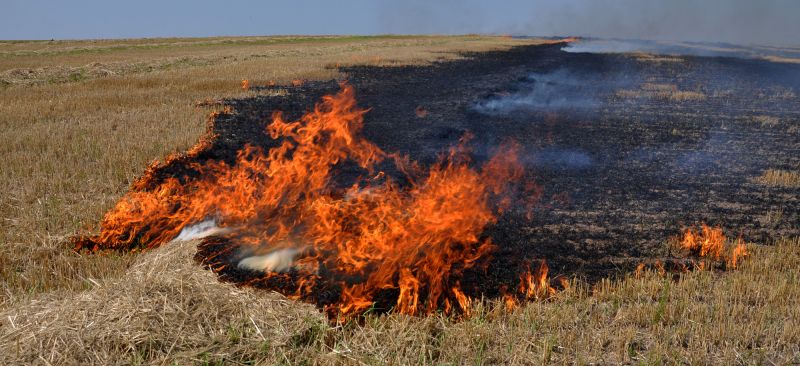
739,251
639,270
710,243
378,235
245,84
536,284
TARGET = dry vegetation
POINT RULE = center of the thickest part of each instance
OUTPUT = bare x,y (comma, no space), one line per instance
767,121
782,178
71,145
667,92
167,309
648,57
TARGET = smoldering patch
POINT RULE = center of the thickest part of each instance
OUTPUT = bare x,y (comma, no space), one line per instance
565,89
559,158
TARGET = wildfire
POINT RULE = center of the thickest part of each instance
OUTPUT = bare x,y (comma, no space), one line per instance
284,217
245,84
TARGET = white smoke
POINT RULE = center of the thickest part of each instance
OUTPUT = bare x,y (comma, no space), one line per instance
201,230
597,45
280,260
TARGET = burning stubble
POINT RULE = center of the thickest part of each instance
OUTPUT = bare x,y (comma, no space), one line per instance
377,234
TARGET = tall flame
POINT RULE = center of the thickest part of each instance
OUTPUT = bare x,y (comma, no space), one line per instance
413,235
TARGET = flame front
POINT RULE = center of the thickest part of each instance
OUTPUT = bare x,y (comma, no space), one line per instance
413,235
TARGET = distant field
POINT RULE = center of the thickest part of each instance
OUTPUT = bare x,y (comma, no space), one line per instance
81,120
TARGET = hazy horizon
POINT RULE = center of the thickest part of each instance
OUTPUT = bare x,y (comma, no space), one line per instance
769,22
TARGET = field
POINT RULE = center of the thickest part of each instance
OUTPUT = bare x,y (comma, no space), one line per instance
676,143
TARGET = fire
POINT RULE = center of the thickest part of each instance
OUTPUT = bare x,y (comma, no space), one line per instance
707,243
282,214
739,251
245,84
536,284
710,243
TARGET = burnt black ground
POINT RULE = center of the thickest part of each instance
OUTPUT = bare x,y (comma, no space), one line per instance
620,175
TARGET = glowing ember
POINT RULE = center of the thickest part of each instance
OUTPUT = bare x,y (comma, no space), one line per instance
420,111
281,215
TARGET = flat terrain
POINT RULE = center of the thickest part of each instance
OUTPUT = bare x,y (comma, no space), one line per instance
629,150
71,146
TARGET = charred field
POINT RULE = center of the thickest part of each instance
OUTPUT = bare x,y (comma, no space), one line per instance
627,152
623,153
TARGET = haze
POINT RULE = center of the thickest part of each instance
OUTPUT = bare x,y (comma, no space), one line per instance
774,22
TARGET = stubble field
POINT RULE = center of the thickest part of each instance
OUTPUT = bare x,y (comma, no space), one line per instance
82,119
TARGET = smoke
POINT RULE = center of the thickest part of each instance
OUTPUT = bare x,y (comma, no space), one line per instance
280,260
561,158
771,22
594,45
201,230
562,89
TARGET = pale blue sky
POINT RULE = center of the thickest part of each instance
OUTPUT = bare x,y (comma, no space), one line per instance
738,21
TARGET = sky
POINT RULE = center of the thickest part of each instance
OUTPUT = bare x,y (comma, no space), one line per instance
774,22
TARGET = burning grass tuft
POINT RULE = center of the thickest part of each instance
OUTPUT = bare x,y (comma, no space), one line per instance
712,247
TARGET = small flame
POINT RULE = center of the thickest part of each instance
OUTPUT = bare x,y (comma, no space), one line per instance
710,243
707,243
245,84
639,270
739,251
536,284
